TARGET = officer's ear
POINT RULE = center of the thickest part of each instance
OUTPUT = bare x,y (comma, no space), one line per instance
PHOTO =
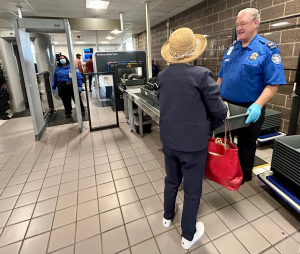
256,22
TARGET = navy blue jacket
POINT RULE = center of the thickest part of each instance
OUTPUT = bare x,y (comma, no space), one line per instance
190,104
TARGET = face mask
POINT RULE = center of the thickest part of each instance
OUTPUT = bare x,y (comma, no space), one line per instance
63,61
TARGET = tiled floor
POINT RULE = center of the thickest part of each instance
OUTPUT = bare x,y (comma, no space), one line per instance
102,192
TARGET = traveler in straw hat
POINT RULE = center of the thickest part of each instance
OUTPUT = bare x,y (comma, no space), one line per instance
190,105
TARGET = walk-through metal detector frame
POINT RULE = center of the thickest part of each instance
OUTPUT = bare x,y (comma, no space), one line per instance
24,26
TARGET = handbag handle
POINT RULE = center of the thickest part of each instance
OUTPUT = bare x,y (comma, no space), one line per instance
225,138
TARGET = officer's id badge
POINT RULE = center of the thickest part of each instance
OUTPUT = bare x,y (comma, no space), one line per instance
229,51
70,74
253,56
276,59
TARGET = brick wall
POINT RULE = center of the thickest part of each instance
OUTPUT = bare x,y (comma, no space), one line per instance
212,17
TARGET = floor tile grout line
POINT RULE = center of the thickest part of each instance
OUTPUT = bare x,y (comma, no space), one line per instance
77,205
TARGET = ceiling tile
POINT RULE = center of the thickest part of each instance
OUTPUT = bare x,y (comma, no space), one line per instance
40,7
192,3
49,2
120,6
164,8
72,14
174,2
77,3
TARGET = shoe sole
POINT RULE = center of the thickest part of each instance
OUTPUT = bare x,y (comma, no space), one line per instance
186,247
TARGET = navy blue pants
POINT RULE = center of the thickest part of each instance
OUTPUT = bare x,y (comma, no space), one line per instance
191,167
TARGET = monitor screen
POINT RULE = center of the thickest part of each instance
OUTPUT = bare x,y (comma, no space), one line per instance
87,56
88,50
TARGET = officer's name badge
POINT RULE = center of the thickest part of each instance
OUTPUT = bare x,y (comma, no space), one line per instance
253,56
229,51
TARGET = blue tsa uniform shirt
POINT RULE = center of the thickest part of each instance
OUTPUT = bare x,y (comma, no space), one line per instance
245,72
63,74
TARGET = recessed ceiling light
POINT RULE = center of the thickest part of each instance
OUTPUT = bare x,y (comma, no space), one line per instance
104,42
97,4
280,24
80,42
116,32
109,38
267,33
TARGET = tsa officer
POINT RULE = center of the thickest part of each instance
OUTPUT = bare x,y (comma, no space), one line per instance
62,80
250,75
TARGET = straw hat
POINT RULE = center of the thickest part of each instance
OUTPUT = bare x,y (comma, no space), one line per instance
183,46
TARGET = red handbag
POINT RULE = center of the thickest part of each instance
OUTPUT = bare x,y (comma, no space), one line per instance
222,164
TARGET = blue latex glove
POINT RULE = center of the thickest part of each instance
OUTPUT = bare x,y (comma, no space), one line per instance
254,112
80,89
53,91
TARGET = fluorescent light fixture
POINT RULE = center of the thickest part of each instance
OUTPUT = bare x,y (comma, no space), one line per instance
104,42
80,42
97,4
109,38
205,35
280,24
267,34
116,32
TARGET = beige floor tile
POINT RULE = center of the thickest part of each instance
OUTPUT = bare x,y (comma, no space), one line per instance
228,244
271,251
231,217
249,211
4,218
28,198
66,201
272,232
56,163
52,181
131,161
90,246
206,249
141,151
114,241
87,209
145,158
155,174
123,184
115,157
40,166
71,167
296,236
12,191
104,178
155,221
68,187
106,189
178,215
108,203
145,191
87,228
263,203
86,156
137,145
102,168
62,237
152,205
204,209
87,172
215,200
111,219
15,180
32,186
8,203
132,212
138,231
11,249
140,179
127,196
231,196
40,225
285,220
99,153
288,246
36,245
45,207
65,217
117,165
147,247
87,195
13,233
128,154
247,235
87,182
48,193
120,173
170,243
159,185
21,214
206,187
149,165
69,177
135,169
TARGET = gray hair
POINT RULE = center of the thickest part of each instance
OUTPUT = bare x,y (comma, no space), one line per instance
254,13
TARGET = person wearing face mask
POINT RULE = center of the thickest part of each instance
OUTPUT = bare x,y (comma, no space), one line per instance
62,80
250,75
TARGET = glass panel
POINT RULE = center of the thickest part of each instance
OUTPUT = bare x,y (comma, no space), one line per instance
102,103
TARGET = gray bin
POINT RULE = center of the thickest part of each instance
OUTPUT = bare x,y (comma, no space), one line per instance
286,158
149,94
237,119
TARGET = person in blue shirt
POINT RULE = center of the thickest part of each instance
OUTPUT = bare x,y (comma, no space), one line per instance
190,105
62,80
250,75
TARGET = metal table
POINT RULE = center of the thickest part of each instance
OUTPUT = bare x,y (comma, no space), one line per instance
144,104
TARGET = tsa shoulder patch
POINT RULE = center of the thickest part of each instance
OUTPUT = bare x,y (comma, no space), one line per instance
271,45
276,59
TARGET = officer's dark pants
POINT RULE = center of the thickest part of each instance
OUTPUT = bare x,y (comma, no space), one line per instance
66,93
247,144
90,81
190,166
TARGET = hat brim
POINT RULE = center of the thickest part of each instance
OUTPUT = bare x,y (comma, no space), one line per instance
165,51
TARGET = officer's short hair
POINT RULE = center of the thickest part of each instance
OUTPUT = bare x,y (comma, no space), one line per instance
254,13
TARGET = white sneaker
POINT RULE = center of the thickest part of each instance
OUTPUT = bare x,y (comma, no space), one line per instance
197,236
167,223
